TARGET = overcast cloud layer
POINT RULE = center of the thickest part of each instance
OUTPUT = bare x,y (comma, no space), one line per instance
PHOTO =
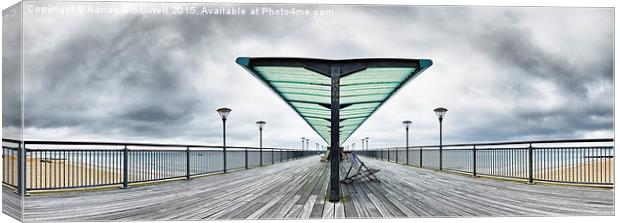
504,74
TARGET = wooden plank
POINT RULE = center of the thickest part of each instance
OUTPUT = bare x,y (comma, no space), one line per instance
319,204
349,206
328,210
365,202
339,210
306,210
11,203
297,190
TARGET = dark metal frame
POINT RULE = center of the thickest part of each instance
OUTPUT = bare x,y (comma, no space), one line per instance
112,156
527,161
334,69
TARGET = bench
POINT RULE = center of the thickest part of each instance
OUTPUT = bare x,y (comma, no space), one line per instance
362,171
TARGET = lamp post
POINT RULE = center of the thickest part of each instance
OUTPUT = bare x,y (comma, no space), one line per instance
363,148
224,112
367,143
308,144
303,140
407,123
440,112
260,125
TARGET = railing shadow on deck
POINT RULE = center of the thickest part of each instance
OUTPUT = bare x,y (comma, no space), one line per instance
53,165
575,161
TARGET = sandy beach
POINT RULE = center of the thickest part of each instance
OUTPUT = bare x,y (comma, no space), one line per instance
58,173
595,171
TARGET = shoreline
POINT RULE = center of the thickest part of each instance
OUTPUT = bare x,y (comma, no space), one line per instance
62,173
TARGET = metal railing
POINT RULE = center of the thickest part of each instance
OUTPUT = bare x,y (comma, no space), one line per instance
50,165
584,161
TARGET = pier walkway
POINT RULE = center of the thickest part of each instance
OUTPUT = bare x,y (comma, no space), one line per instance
297,190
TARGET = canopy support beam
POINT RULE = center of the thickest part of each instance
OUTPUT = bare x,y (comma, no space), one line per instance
334,177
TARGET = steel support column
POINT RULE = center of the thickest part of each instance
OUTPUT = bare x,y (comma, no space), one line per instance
334,181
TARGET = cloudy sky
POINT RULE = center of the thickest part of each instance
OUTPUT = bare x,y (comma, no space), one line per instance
504,73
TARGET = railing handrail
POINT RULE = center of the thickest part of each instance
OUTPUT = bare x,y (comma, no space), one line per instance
42,142
105,166
559,161
11,140
504,143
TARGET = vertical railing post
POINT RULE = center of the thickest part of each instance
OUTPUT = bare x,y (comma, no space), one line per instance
281,156
396,152
272,152
474,161
421,157
246,158
407,156
21,169
187,164
125,167
530,151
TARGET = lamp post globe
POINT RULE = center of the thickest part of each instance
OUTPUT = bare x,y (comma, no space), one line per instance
260,124
224,112
440,112
407,123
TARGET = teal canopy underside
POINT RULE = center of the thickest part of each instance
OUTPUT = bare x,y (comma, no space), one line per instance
306,85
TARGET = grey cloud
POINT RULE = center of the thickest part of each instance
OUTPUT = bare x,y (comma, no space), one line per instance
513,47
161,77
11,70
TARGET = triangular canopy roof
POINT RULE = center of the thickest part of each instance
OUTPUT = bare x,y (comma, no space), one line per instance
306,85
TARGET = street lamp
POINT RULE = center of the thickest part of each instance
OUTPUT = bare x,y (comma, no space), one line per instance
260,125
363,148
303,140
224,112
367,143
407,123
307,144
440,112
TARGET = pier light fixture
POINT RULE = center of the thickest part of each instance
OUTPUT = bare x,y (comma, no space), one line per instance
260,125
224,112
440,112
407,123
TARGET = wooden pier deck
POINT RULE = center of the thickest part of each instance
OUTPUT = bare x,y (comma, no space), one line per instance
297,190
